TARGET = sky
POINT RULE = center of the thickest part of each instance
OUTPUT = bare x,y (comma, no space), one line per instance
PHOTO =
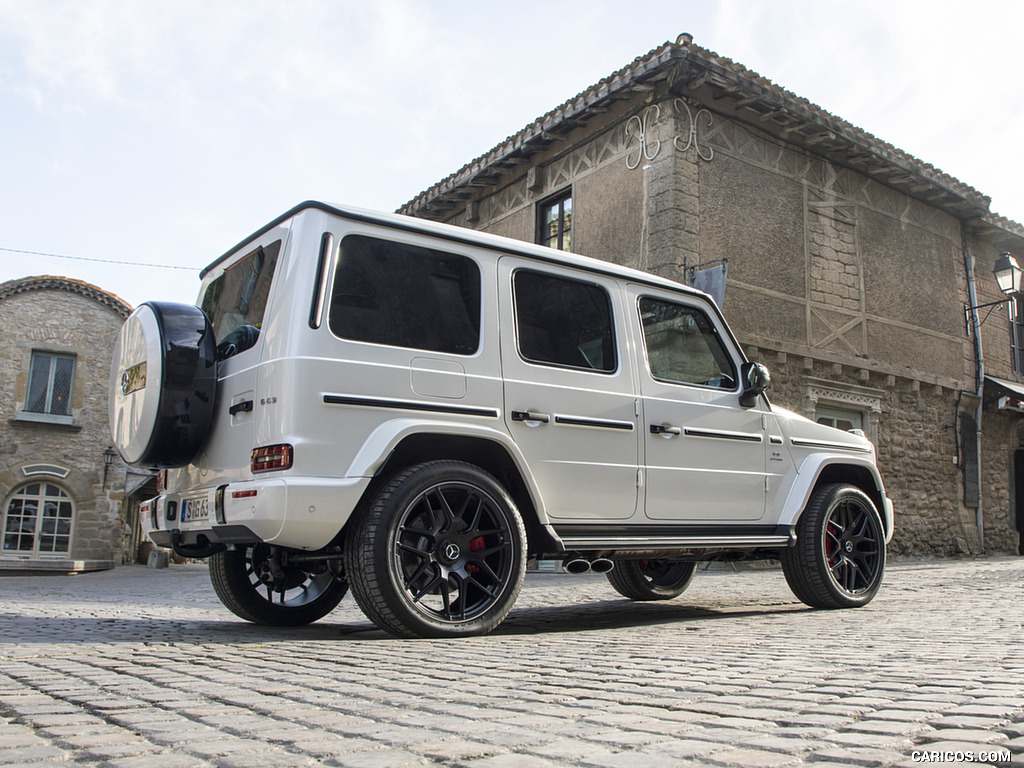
140,140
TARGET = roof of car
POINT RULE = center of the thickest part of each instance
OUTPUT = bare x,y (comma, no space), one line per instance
465,236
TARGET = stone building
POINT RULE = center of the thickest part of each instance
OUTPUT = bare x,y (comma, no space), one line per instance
61,485
849,265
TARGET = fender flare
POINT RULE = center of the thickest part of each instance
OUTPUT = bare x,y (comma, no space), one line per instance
809,473
383,441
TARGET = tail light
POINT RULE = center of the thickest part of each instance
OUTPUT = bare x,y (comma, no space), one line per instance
271,457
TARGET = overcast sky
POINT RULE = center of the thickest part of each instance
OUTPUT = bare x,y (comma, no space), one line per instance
165,132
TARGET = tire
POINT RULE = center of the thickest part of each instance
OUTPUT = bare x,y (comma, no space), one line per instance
243,581
839,557
163,385
439,551
651,579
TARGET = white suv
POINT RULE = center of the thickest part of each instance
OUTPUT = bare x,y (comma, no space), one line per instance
414,410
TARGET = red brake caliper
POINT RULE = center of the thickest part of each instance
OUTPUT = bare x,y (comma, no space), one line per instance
830,544
475,545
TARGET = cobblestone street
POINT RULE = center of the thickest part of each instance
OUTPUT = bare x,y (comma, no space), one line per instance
140,668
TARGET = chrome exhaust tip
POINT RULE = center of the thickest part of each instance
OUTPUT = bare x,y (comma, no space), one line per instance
601,565
576,566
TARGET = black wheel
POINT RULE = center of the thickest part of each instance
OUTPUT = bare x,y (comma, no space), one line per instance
259,588
438,552
839,556
651,579
163,384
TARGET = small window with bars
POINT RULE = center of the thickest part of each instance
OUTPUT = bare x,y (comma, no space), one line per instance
50,382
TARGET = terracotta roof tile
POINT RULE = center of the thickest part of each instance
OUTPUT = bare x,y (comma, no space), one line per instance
53,283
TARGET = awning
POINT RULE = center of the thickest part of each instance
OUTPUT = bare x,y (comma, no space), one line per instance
1008,395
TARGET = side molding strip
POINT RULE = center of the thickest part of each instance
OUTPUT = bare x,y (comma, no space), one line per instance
826,444
577,421
718,435
410,405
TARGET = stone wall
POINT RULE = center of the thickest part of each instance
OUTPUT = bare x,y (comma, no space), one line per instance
1001,438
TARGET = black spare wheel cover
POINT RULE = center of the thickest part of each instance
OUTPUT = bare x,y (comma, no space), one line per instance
163,382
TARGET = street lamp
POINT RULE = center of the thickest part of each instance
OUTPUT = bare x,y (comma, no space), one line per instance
108,459
1008,275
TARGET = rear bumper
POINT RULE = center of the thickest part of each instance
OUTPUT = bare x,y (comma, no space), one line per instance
296,512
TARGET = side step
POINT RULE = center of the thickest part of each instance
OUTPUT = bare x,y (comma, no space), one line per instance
640,538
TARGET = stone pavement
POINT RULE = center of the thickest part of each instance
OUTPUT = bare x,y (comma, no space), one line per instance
140,668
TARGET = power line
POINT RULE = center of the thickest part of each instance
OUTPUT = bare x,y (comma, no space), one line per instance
100,261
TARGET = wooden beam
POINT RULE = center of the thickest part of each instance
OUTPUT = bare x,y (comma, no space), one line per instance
818,138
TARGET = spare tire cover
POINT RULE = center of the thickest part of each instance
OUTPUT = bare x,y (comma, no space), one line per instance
163,384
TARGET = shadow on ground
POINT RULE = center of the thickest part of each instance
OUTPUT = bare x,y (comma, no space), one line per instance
583,617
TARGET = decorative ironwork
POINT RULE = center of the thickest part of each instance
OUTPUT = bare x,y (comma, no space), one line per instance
703,152
637,127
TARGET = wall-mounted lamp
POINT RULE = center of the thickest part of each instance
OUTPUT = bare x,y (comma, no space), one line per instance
108,458
1008,275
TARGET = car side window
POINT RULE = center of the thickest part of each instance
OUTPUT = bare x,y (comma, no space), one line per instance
405,296
563,322
683,346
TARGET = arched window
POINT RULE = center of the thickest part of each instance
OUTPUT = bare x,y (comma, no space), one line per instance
37,521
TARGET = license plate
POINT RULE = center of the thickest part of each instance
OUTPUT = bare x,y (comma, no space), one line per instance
194,510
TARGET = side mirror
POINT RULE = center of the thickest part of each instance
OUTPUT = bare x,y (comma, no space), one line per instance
756,379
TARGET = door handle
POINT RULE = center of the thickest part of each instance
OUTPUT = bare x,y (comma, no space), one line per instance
245,406
662,429
530,416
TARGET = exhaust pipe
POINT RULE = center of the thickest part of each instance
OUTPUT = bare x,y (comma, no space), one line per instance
576,565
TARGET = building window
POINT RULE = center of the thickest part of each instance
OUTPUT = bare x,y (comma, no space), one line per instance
50,381
37,521
845,406
555,222
840,418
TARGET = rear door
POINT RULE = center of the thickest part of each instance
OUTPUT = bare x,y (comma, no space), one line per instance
570,401
705,455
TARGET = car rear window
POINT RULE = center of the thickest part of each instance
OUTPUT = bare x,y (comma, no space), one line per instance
239,296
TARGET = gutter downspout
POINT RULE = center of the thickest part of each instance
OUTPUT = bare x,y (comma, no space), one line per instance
979,364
